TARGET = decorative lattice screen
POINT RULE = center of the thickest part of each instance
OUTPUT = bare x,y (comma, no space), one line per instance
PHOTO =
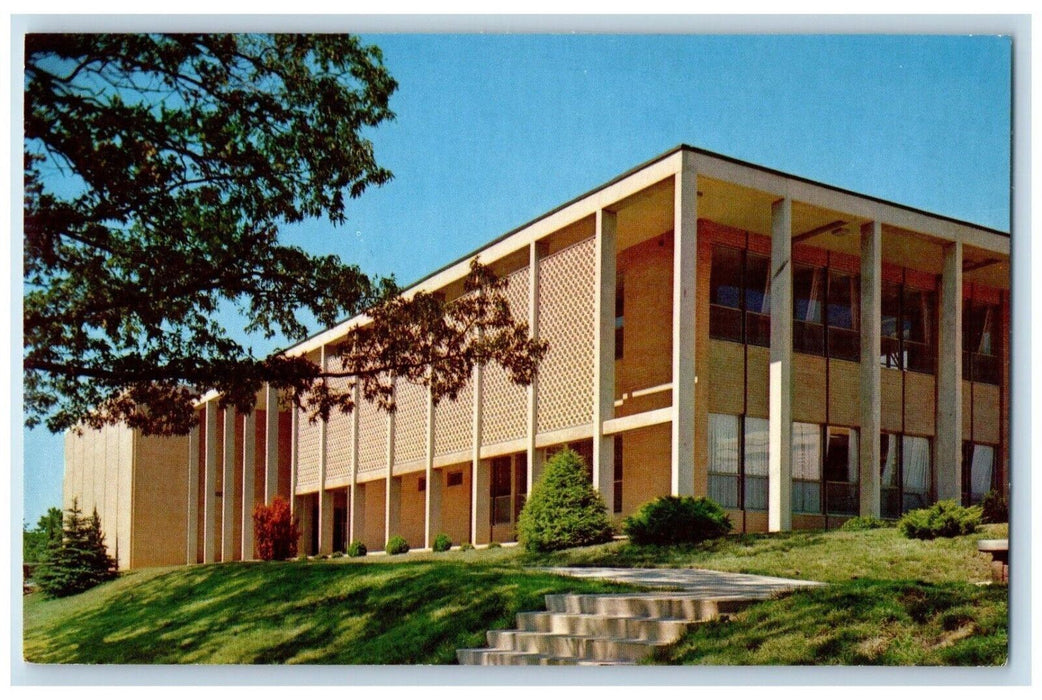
454,422
338,433
505,409
566,307
307,453
372,437
410,422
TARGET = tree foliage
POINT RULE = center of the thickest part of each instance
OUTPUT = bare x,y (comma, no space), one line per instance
78,559
564,510
48,529
158,171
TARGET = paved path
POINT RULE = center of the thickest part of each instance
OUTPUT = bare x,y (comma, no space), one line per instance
720,585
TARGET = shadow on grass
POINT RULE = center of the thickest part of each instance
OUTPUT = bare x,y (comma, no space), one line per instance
282,612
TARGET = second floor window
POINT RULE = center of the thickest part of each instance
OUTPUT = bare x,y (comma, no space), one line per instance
740,296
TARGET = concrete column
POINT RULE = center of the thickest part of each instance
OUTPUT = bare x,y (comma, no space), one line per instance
685,254
947,465
604,355
193,496
325,497
210,484
271,443
432,496
228,487
536,251
480,509
249,466
871,305
779,491
294,427
391,494
479,487
354,503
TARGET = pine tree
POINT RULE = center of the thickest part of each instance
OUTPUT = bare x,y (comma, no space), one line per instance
78,560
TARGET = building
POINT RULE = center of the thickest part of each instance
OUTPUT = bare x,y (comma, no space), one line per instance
798,352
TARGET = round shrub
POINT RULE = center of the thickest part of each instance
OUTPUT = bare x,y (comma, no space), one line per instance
494,545
466,547
442,543
942,519
563,509
994,508
357,549
866,522
677,520
397,545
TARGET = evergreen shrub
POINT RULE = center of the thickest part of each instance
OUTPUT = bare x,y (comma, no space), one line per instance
942,519
563,509
357,549
466,547
77,560
994,508
442,543
397,545
671,520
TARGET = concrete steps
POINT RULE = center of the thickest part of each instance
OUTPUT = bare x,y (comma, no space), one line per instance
606,629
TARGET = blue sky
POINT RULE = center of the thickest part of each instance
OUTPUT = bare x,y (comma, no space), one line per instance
494,130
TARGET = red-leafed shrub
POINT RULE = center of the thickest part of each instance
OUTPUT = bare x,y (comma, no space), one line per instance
275,530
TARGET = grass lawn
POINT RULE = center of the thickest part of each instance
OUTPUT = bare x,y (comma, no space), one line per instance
890,601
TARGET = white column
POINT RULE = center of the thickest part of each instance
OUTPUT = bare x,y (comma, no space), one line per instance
228,487
685,250
432,496
604,355
391,494
294,428
210,485
249,465
193,495
479,487
271,443
535,456
949,378
871,305
353,500
779,487
325,498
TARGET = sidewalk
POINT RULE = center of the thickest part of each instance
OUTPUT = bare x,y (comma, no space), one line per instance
718,585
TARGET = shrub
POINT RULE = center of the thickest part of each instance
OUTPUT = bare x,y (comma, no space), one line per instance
942,519
677,520
357,549
442,543
866,522
994,508
337,555
563,509
466,547
77,560
397,545
494,545
275,530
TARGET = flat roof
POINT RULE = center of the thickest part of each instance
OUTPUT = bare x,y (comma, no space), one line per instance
638,168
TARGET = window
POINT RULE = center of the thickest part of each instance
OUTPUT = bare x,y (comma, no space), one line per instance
501,510
739,296
977,472
723,459
905,473
841,471
617,478
808,292
980,342
421,484
454,479
620,313
806,468
755,463
520,483
909,328
843,316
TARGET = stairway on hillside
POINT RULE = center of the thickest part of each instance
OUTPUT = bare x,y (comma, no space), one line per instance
604,629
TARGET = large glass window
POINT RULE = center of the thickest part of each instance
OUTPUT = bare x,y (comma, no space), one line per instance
501,508
889,320
841,471
739,296
620,318
908,328
808,294
520,483
806,468
981,342
723,459
755,463
905,473
617,476
843,316
978,463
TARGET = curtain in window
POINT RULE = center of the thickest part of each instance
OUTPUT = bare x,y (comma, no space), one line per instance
723,459
889,445
916,465
984,348
853,455
756,463
806,451
980,471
